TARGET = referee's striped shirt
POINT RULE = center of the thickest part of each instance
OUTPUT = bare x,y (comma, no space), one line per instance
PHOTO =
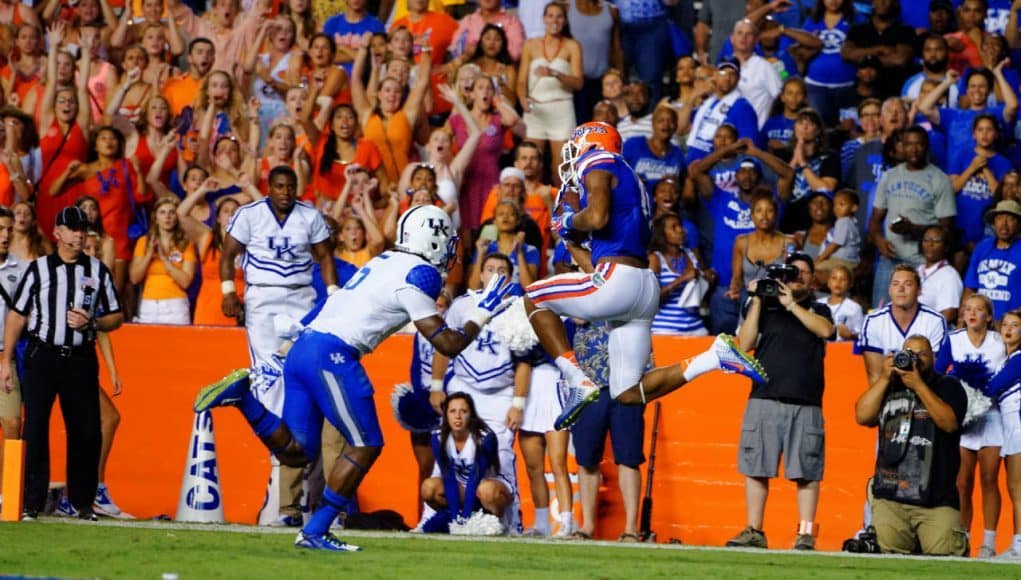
51,287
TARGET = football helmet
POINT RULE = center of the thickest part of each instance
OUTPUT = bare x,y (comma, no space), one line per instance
427,232
588,136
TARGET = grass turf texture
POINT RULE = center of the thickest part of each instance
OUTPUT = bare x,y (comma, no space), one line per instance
111,551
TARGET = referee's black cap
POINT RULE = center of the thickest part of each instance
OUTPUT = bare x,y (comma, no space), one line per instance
73,218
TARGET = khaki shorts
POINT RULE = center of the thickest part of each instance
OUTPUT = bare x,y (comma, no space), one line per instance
10,403
900,527
771,430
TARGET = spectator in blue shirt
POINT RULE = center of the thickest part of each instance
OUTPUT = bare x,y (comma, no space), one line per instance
957,123
655,157
779,128
346,29
975,176
995,267
830,78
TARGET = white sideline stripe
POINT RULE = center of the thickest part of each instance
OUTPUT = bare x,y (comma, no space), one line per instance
245,529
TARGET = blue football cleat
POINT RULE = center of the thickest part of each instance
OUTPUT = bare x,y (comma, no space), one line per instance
224,392
733,359
578,397
326,541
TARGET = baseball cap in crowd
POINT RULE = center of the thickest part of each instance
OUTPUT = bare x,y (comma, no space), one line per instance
512,172
749,162
1007,206
73,218
823,192
731,63
935,5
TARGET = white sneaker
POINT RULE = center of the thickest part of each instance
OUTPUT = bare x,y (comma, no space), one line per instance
104,504
565,532
986,552
535,533
1010,554
286,521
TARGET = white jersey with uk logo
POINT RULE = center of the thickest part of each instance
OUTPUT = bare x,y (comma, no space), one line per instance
277,253
487,364
391,290
881,334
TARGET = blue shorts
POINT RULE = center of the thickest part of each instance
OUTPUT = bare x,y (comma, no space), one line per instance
624,423
323,377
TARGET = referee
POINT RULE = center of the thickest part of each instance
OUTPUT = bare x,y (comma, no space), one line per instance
62,301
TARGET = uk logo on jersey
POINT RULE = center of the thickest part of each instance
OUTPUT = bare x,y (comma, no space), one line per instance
485,341
283,248
337,358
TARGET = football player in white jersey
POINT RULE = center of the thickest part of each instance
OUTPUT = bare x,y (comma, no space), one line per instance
280,238
323,375
976,352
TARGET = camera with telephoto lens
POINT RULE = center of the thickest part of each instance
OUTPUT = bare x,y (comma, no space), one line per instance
769,287
904,360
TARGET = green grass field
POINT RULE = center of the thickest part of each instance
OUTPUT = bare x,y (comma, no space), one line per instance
55,548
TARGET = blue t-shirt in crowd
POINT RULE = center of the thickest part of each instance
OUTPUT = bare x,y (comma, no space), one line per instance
976,196
828,68
648,165
732,217
350,32
956,124
997,14
778,128
531,257
995,273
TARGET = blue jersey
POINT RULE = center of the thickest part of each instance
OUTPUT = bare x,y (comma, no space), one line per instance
828,68
976,196
629,228
994,272
778,128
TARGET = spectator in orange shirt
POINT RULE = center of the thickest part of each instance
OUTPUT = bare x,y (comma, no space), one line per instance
434,30
181,91
164,263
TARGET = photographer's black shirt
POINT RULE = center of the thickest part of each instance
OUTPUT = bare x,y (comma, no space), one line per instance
791,354
917,462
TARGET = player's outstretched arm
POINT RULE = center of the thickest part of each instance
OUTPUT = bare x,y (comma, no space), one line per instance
451,341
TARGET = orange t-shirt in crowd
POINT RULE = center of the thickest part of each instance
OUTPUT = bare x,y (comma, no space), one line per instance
441,28
393,140
180,92
207,304
358,257
158,284
6,187
111,187
330,184
536,209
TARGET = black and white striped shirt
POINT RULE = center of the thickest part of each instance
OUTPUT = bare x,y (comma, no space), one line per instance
51,287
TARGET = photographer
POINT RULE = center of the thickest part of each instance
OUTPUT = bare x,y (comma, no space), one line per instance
914,497
784,414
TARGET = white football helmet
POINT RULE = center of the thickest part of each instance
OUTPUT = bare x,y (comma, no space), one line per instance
428,232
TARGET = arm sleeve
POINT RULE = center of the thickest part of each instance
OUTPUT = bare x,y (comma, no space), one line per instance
946,202
239,228
22,300
108,303
1008,376
318,230
415,303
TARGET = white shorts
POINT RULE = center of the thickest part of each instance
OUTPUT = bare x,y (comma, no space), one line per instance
986,432
262,305
167,311
624,296
544,404
550,121
1010,416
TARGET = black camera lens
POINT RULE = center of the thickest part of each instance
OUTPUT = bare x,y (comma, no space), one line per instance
904,360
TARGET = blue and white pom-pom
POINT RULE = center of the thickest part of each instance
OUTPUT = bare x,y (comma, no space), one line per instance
412,409
479,524
514,330
978,404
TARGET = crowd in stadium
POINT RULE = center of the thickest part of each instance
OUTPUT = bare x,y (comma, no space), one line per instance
865,134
